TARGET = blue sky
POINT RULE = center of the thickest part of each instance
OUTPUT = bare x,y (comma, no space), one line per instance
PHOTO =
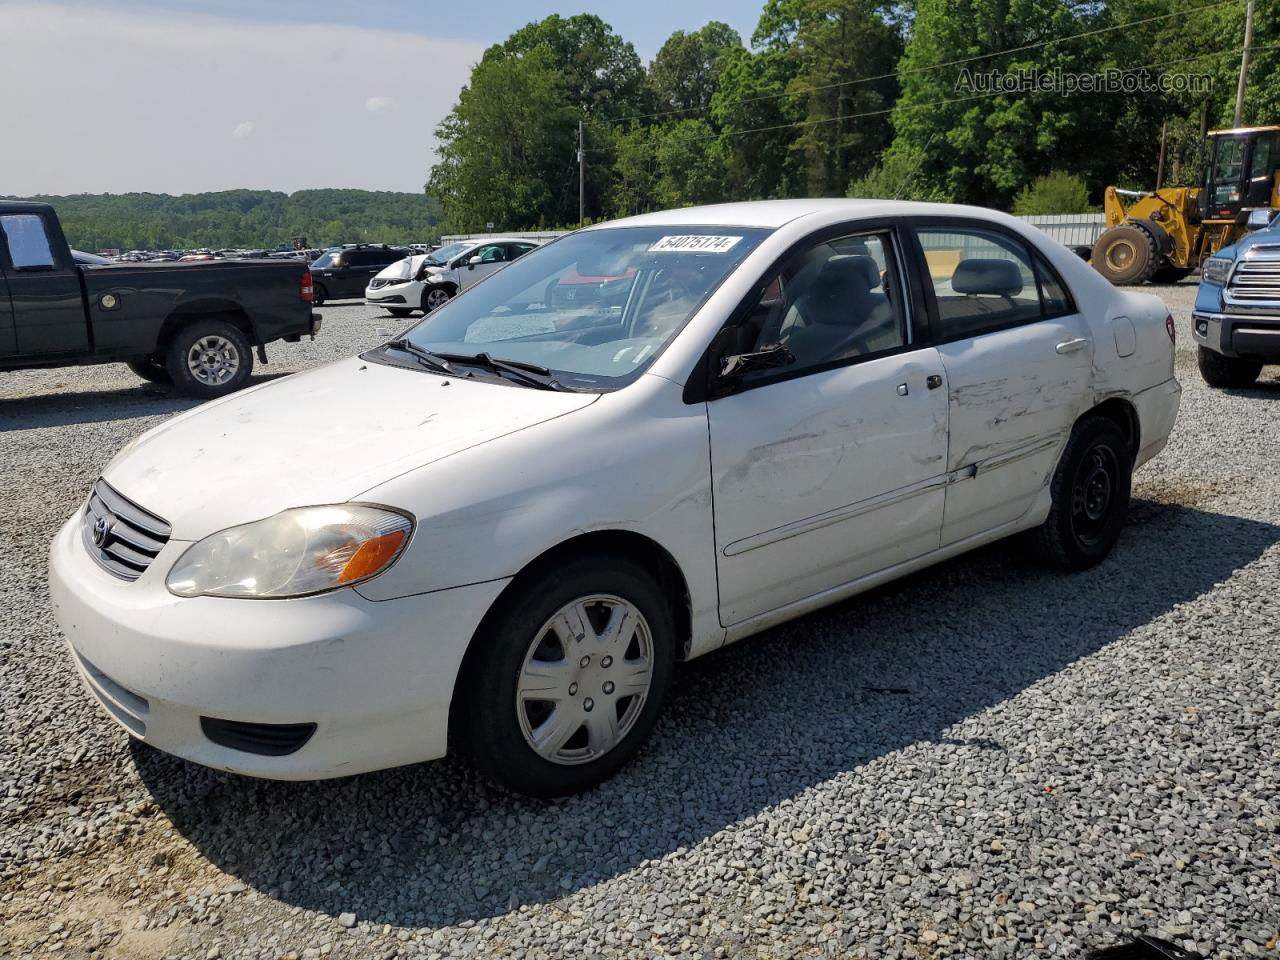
181,97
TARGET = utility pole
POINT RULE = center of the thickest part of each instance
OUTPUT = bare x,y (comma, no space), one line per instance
581,170
1244,64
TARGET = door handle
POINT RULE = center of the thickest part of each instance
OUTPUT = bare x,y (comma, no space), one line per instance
933,381
1071,346
903,390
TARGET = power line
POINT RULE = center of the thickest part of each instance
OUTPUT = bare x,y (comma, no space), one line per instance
925,69
936,103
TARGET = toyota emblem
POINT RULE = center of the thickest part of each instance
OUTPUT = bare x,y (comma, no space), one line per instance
101,531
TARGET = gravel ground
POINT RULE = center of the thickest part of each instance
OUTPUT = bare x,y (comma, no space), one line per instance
984,760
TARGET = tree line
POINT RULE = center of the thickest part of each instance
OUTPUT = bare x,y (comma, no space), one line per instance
847,97
244,218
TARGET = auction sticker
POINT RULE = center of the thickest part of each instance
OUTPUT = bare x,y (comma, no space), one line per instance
694,243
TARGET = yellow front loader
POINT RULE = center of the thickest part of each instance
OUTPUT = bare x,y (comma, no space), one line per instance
1166,233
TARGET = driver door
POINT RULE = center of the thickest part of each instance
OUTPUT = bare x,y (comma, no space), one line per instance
492,257
833,466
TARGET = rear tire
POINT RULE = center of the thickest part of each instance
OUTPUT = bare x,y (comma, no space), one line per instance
1126,254
209,358
150,371
1227,372
318,294
1090,490
550,637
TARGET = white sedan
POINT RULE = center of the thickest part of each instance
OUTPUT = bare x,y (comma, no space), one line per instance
427,281
503,529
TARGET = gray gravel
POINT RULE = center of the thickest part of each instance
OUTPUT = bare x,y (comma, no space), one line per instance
1073,758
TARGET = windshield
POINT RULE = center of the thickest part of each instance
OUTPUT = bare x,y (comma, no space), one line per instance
596,307
324,260
445,254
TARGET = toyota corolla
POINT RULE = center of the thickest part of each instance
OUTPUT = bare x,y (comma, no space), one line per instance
500,532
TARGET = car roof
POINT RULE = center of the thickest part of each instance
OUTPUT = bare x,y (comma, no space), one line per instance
771,214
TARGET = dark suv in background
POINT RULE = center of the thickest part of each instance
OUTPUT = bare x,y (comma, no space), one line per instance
342,274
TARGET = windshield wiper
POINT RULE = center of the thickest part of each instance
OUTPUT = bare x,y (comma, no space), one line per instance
428,359
530,374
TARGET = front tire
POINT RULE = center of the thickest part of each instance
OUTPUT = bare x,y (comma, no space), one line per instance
150,371
569,678
1227,372
433,298
1090,490
209,358
1126,254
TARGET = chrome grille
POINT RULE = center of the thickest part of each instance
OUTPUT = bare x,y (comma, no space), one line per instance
1256,276
119,534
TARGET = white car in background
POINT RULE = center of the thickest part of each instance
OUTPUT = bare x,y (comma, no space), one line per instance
502,529
427,281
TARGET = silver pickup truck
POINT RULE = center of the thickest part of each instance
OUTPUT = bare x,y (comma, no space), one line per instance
1236,318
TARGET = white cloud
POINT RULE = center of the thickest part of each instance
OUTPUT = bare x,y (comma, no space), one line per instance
374,104
169,87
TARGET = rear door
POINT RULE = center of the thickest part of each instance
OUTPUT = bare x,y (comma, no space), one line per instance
1019,369
44,287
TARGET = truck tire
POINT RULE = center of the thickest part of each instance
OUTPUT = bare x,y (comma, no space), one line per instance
318,294
150,371
1126,254
209,358
1227,372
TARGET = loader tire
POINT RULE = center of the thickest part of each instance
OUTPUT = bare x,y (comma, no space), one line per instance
1126,255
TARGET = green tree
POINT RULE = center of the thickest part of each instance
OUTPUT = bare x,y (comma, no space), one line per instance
635,172
690,169
685,74
1055,192
504,154
755,120
898,176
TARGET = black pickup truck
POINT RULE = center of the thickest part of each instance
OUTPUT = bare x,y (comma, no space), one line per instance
194,326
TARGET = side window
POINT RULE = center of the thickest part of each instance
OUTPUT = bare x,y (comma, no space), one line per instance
492,254
27,240
1262,149
1057,301
982,280
515,250
835,302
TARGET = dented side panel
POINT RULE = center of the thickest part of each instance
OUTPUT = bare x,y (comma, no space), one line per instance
1013,399
824,478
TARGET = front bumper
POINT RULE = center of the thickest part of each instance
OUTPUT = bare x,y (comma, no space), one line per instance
1254,335
375,677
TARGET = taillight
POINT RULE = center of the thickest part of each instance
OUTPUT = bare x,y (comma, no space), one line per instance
1173,331
306,290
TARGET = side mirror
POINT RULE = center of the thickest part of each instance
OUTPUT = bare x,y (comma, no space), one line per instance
768,357
1259,219
472,263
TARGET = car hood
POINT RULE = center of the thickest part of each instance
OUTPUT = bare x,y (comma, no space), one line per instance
324,436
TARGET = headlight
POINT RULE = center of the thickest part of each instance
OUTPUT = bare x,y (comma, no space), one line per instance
295,553
1215,270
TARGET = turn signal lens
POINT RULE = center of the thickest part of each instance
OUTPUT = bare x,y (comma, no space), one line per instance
1173,330
293,554
372,557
